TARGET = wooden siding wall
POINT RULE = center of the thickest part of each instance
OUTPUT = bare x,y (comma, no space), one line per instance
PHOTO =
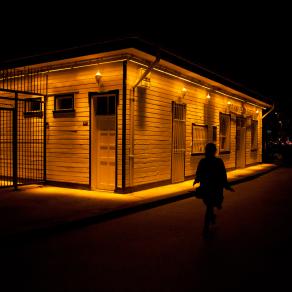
153,125
67,137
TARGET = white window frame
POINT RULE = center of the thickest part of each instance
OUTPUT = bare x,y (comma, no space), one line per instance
57,97
201,140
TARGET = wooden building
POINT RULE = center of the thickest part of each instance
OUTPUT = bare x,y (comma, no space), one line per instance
126,119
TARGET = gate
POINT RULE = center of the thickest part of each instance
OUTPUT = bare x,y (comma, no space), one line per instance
6,147
178,141
22,127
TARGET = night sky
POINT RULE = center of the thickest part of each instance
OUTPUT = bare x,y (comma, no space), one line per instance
250,45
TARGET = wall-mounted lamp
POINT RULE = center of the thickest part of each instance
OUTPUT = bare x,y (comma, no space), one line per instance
229,102
183,92
208,95
257,111
98,77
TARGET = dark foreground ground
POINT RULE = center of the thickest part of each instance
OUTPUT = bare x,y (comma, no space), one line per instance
161,249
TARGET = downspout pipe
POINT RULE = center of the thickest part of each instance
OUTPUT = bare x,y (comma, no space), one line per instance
271,109
264,134
132,122
147,71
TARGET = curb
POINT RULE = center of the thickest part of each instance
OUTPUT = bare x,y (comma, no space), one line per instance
253,176
27,235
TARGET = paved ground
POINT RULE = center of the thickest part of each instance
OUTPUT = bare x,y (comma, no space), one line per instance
161,249
38,208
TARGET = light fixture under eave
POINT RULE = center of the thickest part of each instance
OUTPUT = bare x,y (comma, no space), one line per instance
229,102
98,77
184,91
257,111
208,95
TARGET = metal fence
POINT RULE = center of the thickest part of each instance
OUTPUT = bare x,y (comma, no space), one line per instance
22,141
22,126
6,146
24,80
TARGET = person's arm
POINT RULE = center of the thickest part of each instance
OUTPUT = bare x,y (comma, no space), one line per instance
226,184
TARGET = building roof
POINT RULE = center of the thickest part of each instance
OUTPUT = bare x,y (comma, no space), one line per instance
131,42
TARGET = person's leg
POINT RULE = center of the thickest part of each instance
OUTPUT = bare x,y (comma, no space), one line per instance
209,216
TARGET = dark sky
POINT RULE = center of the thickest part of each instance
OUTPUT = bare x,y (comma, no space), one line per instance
250,45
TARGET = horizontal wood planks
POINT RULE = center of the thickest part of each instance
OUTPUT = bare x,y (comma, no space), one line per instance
68,138
153,125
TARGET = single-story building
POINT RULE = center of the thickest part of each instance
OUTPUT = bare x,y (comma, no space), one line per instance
127,118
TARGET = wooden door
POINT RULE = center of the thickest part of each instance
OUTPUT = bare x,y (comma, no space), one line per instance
103,142
240,142
178,142
106,149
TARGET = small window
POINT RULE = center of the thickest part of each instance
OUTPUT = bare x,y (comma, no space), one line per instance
178,111
199,138
224,133
64,103
33,107
254,135
105,105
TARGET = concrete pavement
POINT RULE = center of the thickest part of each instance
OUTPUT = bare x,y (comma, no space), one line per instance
40,209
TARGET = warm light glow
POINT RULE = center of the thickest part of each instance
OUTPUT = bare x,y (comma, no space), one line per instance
257,111
184,91
229,102
208,95
195,83
98,77
173,75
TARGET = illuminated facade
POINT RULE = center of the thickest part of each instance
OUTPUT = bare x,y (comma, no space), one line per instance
126,120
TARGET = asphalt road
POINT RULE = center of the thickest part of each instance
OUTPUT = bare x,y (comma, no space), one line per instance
162,249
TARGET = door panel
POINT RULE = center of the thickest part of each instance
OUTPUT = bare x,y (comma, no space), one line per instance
106,147
240,142
103,141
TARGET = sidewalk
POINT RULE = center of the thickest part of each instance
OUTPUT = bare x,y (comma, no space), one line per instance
41,209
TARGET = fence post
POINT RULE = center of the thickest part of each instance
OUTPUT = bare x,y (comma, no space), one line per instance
15,142
45,139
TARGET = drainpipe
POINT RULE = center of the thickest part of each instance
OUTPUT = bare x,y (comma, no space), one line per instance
264,134
149,69
271,109
132,124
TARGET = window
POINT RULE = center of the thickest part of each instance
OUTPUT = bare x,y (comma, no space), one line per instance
224,134
64,102
105,105
254,135
33,107
199,138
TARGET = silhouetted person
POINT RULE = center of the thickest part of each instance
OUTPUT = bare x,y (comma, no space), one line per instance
211,174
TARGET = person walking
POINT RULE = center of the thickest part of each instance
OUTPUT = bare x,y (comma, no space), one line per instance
211,174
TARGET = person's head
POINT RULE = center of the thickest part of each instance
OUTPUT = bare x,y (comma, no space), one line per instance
210,150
